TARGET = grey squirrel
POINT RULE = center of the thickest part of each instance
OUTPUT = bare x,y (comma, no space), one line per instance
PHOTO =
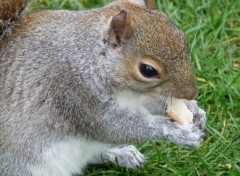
75,83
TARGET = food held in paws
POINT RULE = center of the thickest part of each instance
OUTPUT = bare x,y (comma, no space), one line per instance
177,110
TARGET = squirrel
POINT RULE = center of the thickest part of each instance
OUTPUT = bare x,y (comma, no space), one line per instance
80,87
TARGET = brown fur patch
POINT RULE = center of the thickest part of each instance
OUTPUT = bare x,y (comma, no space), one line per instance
10,11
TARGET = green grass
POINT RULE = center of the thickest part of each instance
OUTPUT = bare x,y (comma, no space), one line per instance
213,30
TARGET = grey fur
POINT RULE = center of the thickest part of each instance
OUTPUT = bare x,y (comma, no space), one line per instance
59,78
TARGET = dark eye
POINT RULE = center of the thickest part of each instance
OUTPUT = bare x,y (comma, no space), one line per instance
148,71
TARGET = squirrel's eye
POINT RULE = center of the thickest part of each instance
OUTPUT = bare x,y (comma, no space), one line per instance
148,71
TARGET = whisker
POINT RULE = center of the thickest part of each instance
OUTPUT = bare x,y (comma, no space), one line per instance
171,98
164,98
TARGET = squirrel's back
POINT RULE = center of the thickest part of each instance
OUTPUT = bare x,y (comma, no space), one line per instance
10,11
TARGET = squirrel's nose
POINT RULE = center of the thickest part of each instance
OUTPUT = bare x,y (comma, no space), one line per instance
188,94
185,93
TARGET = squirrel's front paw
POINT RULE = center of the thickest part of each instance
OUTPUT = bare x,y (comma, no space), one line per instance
198,113
191,135
187,135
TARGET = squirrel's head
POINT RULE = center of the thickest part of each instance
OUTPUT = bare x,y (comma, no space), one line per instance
154,51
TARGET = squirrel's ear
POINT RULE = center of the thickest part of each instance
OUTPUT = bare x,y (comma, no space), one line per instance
120,29
150,4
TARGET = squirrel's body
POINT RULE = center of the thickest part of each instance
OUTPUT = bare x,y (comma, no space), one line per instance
27,67
66,94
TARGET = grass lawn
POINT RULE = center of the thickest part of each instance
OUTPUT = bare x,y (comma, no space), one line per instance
213,30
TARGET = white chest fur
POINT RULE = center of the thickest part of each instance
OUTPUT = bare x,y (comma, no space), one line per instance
131,100
67,157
